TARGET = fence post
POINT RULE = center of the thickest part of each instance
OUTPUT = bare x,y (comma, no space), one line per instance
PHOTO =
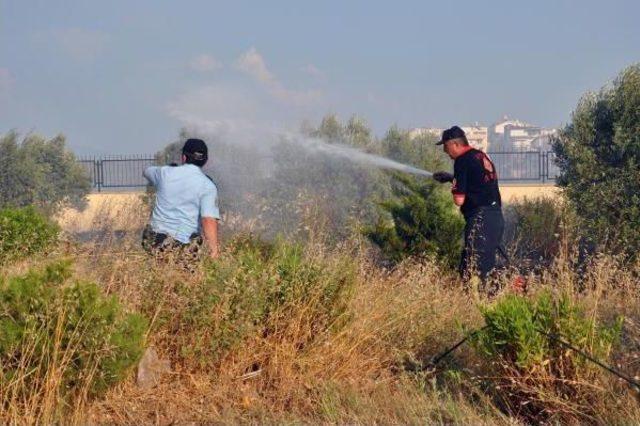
545,163
98,174
540,166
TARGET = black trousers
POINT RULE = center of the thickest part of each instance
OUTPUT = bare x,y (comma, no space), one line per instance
482,238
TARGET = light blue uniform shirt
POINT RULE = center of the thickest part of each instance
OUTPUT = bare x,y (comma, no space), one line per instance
184,194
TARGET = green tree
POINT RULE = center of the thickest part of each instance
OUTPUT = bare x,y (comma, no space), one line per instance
25,232
422,220
330,129
40,172
420,151
598,154
49,320
358,134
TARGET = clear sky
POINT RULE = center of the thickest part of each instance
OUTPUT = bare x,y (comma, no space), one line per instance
124,76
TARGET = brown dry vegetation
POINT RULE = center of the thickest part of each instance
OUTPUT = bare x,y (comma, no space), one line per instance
353,360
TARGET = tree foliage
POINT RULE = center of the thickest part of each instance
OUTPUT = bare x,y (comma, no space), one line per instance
423,221
420,151
52,321
41,173
24,232
598,153
533,372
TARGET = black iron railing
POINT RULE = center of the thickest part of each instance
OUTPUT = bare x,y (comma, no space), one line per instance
125,171
525,166
113,172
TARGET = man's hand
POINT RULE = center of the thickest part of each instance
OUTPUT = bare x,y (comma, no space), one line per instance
443,177
210,229
214,254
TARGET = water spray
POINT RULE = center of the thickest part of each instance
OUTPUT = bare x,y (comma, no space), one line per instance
250,135
353,154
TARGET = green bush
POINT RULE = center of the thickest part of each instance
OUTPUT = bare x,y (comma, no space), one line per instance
55,330
423,221
245,294
24,232
537,376
598,153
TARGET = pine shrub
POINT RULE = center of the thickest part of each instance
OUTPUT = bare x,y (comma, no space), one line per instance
24,232
55,331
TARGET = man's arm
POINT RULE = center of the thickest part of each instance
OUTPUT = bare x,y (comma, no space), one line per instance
210,230
151,173
209,214
442,177
459,183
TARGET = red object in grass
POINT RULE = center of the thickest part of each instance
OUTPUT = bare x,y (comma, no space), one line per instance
519,284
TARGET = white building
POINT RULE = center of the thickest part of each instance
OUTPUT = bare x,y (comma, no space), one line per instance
478,137
516,135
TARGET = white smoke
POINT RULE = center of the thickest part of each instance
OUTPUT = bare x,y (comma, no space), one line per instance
238,115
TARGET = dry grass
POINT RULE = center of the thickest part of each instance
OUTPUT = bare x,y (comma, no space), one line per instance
303,365
296,373
354,375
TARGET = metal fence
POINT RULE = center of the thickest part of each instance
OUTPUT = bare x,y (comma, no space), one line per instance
125,171
525,166
117,172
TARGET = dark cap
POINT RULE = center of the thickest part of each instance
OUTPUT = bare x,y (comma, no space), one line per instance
454,132
195,149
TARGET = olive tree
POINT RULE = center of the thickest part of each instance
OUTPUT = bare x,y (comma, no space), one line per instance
40,172
598,154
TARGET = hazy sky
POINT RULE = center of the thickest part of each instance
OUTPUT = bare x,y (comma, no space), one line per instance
124,76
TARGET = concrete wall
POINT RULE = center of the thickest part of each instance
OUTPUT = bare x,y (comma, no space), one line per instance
127,210
118,210
512,192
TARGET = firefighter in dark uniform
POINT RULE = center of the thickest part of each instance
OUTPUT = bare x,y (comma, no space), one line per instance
475,189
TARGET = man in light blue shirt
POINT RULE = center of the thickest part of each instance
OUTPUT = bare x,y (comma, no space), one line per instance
186,204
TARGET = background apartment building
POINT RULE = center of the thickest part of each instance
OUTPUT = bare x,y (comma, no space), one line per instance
504,135
516,135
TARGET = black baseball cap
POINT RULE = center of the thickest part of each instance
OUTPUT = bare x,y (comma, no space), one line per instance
454,132
195,149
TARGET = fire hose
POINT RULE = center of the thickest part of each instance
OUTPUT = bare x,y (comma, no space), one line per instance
554,337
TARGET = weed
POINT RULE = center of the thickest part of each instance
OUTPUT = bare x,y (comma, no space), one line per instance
60,340
537,378
24,232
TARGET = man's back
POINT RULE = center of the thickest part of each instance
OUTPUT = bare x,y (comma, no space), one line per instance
184,195
476,177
